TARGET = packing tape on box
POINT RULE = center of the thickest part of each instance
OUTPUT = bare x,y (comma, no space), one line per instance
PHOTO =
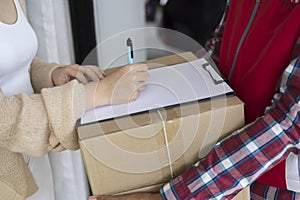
178,136
167,144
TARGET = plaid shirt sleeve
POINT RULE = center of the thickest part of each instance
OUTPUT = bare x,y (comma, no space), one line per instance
240,159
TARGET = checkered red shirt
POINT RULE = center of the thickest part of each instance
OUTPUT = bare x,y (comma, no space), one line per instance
237,161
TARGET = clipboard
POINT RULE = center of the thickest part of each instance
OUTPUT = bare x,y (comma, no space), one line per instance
171,85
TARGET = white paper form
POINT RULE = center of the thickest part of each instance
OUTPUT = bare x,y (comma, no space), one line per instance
171,85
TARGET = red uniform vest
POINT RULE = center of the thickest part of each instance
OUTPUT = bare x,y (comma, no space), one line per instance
257,46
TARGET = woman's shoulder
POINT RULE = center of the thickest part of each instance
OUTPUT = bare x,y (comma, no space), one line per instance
23,5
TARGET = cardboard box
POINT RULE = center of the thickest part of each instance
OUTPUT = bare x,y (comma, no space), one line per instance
141,152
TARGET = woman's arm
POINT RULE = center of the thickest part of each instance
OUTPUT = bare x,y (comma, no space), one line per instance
45,75
42,122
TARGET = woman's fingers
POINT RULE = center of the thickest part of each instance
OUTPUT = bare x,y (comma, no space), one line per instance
134,96
127,82
74,72
142,86
121,86
141,67
95,70
142,76
89,73
85,73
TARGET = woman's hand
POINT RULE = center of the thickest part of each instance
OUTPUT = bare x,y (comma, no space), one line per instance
121,86
83,74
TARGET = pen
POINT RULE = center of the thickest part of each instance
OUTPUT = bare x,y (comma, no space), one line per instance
129,51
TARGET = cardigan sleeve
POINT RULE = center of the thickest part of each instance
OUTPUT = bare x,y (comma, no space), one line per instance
40,74
42,122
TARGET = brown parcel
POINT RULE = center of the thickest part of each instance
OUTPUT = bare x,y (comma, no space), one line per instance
130,153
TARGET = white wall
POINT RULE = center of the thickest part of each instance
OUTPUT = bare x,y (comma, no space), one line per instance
51,21
115,21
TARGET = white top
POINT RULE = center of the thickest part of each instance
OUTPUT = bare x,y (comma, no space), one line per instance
18,47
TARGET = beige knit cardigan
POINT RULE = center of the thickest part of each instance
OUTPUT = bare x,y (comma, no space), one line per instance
35,125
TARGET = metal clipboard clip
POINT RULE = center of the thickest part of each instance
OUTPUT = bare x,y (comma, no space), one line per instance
215,76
